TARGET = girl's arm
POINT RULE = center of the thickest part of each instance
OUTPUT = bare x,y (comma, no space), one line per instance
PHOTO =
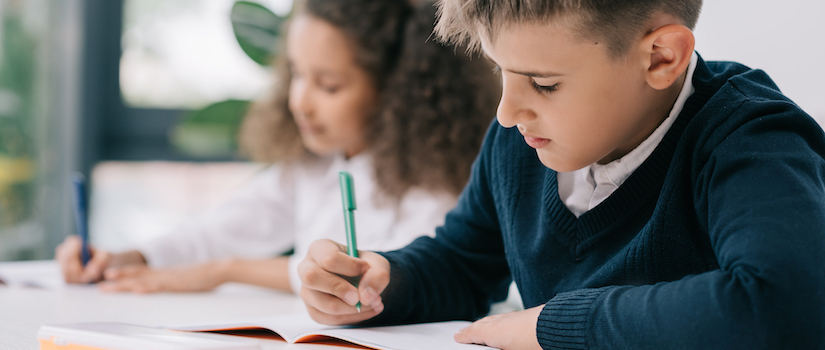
271,273
255,222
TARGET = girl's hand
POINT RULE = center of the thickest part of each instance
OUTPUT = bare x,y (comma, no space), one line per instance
329,298
512,330
67,254
142,279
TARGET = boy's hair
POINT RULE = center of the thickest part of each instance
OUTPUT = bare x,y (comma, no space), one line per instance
616,22
435,102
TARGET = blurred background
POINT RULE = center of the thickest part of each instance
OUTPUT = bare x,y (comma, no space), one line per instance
144,97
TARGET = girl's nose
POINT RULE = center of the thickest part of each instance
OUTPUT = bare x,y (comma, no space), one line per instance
300,98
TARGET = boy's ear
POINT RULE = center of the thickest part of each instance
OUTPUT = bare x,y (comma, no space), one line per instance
667,52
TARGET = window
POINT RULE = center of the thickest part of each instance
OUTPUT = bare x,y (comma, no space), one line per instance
183,54
38,110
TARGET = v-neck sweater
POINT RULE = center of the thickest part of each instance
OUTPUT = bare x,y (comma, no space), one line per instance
717,241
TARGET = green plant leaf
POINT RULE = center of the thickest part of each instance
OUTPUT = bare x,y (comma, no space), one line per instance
211,131
257,30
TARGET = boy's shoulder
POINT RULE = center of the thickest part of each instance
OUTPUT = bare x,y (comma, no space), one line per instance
732,93
735,103
743,81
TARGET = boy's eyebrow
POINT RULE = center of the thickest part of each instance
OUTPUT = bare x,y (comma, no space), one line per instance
536,74
525,73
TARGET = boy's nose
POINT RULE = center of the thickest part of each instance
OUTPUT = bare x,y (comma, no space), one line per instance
511,109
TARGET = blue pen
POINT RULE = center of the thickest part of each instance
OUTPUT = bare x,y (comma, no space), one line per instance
80,210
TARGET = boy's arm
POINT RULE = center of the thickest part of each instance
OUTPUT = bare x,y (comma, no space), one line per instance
452,276
762,196
461,271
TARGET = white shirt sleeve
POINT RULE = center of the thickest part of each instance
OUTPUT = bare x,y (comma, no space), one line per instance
255,222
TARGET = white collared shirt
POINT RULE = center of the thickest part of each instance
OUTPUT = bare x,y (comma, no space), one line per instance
292,206
584,189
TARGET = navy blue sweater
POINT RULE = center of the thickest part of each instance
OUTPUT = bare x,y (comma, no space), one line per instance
717,241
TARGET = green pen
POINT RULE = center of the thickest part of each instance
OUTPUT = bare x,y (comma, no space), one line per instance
348,199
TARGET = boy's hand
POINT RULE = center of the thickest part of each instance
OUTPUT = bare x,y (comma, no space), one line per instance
67,254
329,298
513,330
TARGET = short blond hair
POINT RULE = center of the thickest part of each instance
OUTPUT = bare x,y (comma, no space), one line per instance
616,22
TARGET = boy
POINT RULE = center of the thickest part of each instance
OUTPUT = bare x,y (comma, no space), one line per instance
638,196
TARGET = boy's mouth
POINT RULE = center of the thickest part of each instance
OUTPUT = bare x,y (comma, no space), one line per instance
536,142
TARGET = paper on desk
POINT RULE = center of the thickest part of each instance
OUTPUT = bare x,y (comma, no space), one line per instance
122,336
32,274
296,328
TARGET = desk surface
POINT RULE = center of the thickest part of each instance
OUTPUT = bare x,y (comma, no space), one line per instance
34,295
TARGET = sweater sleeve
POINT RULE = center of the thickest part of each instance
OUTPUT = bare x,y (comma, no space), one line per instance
462,270
761,195
255,222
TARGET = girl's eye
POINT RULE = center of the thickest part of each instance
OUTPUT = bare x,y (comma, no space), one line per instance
542,89
331,89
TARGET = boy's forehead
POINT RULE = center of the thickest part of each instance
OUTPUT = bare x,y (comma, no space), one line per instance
547,36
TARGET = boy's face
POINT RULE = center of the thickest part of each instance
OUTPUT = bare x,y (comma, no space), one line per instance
572,102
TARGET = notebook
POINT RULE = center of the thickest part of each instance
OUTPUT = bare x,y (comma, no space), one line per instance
122,336
298,328
241,334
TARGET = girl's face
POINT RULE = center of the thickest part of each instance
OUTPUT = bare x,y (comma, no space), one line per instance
330,96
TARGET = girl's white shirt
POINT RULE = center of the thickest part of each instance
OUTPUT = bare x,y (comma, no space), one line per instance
288,206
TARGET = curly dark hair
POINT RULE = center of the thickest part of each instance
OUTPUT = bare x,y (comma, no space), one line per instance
435,101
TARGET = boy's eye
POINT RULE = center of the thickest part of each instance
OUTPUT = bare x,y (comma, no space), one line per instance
544,89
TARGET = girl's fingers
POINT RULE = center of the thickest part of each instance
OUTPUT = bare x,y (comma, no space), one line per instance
114,273
67,254
93,270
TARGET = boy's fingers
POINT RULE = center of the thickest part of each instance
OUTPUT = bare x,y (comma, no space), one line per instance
315,278
329,304
332,257
324,318
375,280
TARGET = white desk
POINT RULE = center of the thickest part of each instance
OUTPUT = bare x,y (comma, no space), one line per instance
24,309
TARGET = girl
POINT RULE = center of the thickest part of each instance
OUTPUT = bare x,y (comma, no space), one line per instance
360,89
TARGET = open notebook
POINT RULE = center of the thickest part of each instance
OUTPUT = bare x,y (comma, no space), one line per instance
298,328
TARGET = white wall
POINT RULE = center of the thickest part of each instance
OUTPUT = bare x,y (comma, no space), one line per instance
786,39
